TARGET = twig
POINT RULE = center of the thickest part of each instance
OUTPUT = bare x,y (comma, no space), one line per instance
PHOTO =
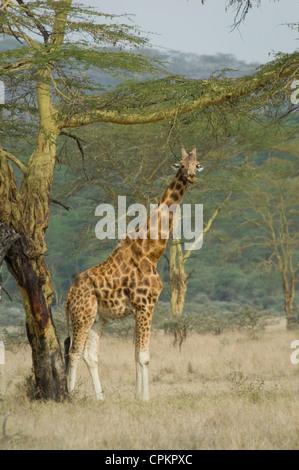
58,90
37,23
67,208
7,293
78,142
5,436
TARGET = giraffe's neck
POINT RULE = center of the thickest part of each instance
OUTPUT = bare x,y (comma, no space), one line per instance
154,244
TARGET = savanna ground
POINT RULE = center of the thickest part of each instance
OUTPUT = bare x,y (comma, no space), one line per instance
224,391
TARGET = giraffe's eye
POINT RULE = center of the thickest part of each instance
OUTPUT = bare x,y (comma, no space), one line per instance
199,167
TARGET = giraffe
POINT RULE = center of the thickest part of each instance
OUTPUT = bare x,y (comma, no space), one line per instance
126,283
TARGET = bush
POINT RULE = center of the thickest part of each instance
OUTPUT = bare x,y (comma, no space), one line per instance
216,317
252,319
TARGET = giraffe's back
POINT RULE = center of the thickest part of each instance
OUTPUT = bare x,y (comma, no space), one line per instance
114,288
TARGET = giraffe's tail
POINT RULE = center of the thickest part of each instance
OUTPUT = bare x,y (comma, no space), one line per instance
67,311
67,341
67,344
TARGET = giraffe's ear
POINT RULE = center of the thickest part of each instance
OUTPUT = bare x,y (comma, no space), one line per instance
176,166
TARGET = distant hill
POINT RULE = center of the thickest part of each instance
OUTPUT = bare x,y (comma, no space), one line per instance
7,42
202,66
189,65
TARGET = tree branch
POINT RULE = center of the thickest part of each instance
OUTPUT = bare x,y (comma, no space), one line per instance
23,64
67,208
209,95
7,293
20,34
78,142
209,224
37,23
16,161
62,8
10,32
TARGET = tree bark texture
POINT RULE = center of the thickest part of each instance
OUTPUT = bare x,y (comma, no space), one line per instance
178,279
25,212
47,359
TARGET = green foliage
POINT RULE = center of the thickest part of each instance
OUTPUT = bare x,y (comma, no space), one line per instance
252,319
14,337
79,47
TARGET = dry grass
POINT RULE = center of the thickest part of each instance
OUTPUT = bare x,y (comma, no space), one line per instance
219,392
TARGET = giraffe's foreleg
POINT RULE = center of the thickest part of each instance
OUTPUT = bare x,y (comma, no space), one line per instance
143,324
142,362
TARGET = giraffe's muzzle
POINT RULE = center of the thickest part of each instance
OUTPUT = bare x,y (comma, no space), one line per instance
191,178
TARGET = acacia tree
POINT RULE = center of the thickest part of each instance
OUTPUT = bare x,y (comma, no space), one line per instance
46,94
41,88
270,204
274,221
178,278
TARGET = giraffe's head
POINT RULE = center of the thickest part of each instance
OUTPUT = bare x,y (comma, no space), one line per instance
188,165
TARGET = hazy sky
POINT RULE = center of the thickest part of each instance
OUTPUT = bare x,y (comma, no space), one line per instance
189,26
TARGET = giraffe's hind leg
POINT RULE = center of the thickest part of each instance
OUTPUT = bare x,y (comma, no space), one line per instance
91,358
82,320
77,346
